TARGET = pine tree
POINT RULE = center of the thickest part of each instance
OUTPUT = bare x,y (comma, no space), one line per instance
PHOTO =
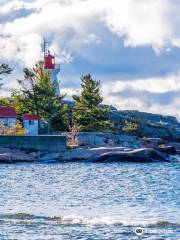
4,70
88,114
38,95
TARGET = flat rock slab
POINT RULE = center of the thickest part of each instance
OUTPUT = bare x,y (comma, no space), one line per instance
101,154
114,154
138,155
12,156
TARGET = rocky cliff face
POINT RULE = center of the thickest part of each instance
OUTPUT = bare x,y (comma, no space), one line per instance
95,139
149,125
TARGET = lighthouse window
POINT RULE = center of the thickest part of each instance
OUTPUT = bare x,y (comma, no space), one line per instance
31,122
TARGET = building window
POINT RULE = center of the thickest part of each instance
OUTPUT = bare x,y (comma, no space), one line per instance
4,121
31,122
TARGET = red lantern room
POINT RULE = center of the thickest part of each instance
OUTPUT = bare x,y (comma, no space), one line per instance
49,61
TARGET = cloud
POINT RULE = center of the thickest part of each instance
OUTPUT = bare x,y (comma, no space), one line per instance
15,10
72,23
70,92
157,95
132,46
154,85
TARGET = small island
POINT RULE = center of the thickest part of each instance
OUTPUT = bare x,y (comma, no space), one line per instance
89,119
37,124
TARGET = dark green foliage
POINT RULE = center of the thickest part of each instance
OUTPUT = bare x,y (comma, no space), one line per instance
38,95
4,70
87,112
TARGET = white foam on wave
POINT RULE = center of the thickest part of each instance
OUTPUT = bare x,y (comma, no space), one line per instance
80,220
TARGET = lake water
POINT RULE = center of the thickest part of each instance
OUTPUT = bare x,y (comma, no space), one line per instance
89,201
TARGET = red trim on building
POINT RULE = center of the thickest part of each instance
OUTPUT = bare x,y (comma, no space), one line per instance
9,112
27,116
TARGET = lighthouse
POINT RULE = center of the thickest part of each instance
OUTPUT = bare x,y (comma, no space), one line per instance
51,66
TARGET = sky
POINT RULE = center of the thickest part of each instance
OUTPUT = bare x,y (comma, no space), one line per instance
131,46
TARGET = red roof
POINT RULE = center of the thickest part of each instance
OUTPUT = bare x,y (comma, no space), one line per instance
27,116
7,112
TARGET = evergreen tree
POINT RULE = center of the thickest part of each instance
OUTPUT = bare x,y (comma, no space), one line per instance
4,70
38,95
87,113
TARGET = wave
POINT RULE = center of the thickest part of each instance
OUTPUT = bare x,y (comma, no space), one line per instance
26,218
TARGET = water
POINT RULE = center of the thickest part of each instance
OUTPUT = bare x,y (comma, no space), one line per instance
89,201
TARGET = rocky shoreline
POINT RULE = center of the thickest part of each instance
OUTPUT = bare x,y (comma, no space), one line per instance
157,139
148,150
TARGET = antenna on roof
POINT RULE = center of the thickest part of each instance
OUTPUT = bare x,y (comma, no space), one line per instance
45,47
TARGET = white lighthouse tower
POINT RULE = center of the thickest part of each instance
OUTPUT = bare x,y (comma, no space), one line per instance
51,66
